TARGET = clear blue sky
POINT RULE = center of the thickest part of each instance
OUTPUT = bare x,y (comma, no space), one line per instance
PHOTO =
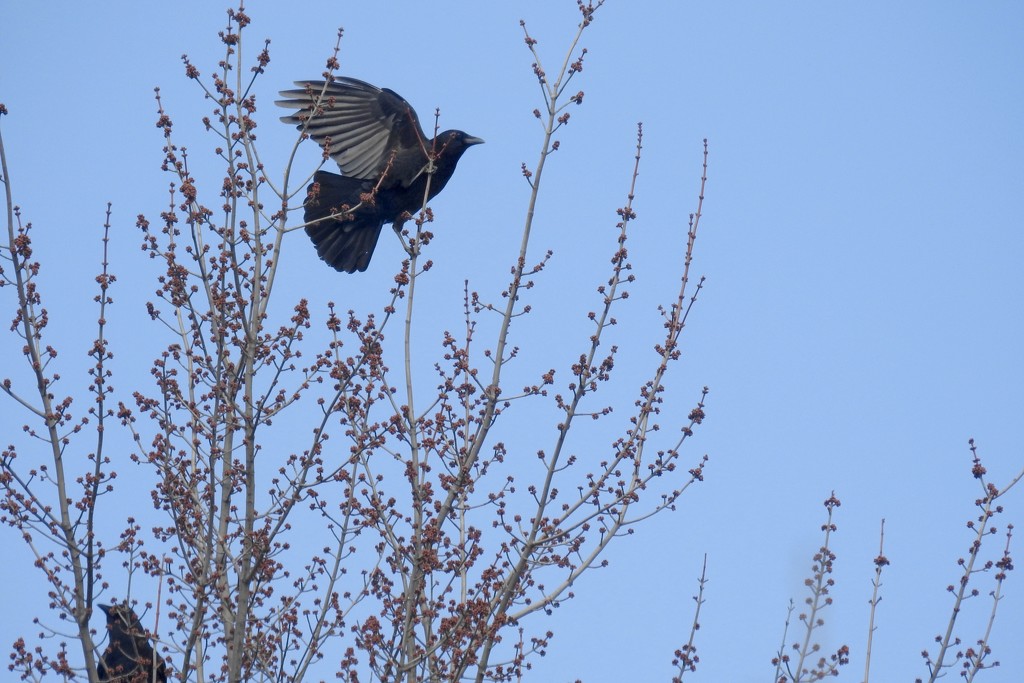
862,239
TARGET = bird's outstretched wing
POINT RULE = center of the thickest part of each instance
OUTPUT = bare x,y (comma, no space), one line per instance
361,124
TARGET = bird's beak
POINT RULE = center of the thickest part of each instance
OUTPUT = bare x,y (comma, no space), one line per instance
470,140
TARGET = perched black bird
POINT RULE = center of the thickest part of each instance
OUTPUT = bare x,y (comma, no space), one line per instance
128,658
377,140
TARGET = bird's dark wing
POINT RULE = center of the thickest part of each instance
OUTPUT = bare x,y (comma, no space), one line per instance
361,124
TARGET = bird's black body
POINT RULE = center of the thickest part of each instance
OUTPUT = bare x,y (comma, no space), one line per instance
386,160
128,657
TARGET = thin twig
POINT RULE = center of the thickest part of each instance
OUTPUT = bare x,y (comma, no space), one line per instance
876,583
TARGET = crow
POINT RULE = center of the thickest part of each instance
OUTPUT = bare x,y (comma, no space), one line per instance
128,658
385,158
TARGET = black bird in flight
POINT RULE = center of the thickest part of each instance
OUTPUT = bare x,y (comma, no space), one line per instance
128,658
385,159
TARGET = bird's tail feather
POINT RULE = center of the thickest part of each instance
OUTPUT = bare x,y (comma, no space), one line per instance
345,243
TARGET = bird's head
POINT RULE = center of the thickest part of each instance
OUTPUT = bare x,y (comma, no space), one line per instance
120,613
457,141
